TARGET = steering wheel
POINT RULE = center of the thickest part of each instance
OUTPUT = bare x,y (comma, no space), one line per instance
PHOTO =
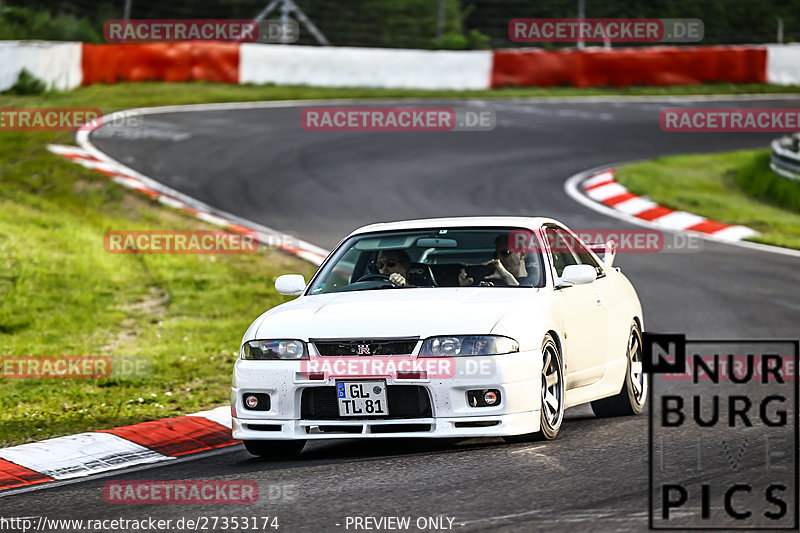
374,276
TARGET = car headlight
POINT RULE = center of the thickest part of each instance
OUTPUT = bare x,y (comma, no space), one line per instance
289,349
466,345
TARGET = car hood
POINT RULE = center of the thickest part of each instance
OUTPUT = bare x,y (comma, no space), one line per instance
408,312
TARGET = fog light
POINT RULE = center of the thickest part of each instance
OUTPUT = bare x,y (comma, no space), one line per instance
251,401
483,398
256,401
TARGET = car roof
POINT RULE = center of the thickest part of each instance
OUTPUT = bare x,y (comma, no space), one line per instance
452,222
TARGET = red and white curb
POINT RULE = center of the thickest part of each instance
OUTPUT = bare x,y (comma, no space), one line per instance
84,454
603,188
133,180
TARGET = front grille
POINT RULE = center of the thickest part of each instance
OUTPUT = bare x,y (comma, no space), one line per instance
365,347
405,401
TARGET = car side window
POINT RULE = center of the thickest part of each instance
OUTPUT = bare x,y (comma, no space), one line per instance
584,255
559,250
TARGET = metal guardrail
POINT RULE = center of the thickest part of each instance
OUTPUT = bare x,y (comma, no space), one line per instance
785,159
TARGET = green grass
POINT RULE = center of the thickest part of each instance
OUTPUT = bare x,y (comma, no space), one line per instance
759,181
155,93
733,187
62,294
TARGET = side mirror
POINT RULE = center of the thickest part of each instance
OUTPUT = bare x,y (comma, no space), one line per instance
609,253
290,284
576,275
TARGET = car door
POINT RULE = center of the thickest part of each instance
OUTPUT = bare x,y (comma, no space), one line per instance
582,308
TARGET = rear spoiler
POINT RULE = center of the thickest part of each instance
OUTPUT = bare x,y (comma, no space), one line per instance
606,250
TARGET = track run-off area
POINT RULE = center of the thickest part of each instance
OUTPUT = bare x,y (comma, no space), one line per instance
256,161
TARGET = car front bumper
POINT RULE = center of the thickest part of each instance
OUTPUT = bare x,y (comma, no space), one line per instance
517,376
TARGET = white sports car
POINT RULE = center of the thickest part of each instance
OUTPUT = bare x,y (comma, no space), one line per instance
452,327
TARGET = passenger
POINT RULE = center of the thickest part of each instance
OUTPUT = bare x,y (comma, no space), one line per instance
510,268
395,264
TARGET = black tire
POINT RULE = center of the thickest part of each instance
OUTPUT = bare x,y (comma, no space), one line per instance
631,399
552,391
276,449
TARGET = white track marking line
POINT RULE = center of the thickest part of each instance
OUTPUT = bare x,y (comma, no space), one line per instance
66,151
177,204
212,219
125,181
525,451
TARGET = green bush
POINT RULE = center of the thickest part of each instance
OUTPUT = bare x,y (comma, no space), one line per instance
19,23
391,24
474,40
27,84
757,179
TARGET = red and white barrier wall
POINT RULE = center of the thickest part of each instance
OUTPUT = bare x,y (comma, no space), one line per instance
68,65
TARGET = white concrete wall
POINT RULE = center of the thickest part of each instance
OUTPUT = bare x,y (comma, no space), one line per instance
364,67
783,64
57,64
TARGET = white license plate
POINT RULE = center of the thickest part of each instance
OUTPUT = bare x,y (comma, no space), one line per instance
362,398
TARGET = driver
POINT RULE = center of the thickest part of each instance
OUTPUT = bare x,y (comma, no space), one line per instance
395,264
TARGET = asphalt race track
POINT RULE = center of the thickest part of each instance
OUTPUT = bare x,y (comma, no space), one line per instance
261,165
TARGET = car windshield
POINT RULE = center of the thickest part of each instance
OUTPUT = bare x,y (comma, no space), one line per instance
439,257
